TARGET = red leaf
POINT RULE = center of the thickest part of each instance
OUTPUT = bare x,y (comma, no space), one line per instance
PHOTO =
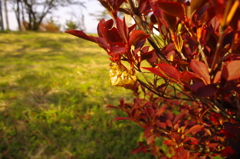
195,86
168,48
161,110
161,125
169,142
208,15
206,91
178,117
196,4
141,148
155,71
136,36
169,123
181,153
117,48
108,32
213,145
170,71
228,151
81,34
192,140
150,56
99,40
187,76
170,20
121,118
201,69
111,106
231,71
117,4
169,115
122,29
194,129
172,8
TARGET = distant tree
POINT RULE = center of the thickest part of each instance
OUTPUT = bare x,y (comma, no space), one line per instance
31,13
71,25
100,15
76,21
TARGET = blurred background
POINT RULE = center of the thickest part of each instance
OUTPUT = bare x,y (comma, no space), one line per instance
82,14
54,87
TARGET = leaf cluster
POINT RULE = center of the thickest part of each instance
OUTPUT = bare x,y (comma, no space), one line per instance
194,65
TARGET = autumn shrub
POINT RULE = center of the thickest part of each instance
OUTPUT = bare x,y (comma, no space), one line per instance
186,79
50,26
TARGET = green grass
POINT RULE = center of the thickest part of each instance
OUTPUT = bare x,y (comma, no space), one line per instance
53,91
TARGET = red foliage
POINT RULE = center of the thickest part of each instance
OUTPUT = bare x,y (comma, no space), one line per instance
192,100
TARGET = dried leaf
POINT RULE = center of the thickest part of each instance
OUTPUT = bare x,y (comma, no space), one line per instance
120,77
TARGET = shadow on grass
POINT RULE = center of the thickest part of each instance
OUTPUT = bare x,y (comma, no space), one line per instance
57,122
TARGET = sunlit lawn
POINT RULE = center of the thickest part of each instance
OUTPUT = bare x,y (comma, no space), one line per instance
54,89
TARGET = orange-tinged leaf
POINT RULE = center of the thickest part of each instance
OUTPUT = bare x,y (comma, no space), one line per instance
169,142
150,139
200,69
172,8
187,76
194,129
161,110
170,71
231,71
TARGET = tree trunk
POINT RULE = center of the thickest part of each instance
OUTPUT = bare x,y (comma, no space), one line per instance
1,17
17,12
6,14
